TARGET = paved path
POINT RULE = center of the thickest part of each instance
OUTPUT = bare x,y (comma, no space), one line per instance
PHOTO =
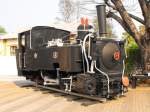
17,96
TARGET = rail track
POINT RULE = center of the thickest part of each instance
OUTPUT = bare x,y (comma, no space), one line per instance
72,93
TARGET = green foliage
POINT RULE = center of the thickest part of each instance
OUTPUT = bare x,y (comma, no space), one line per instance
133,53
2,30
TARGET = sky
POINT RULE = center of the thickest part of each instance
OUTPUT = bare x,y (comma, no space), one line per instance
15,14
18,14
22,14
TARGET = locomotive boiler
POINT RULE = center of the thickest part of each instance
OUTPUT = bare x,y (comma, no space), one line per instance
92,65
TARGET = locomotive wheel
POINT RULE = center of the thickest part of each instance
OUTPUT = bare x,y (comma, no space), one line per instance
39,80
133,82
85,84
61,85
90,86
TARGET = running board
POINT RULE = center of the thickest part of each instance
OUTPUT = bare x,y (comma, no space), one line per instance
73,93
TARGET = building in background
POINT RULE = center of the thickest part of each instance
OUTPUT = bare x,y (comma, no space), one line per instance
8,44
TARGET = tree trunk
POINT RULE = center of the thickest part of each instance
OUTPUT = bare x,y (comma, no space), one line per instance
147,44
146,53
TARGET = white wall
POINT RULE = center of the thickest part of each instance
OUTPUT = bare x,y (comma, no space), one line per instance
8,65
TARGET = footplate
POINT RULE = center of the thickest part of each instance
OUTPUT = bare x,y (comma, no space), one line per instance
72,93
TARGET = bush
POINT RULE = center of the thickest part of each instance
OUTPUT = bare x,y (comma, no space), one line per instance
133,54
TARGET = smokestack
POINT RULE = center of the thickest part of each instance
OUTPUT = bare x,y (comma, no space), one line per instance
101,16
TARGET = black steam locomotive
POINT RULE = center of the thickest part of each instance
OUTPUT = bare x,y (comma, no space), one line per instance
91,65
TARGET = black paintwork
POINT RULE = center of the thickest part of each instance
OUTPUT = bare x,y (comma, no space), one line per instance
101,16
67,58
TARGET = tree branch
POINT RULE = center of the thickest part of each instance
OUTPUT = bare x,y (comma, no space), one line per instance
119,20
147,19
128,21
131,15
110,5
137,18
144,8
147,3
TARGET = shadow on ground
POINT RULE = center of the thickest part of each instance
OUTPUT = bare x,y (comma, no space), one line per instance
30,85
